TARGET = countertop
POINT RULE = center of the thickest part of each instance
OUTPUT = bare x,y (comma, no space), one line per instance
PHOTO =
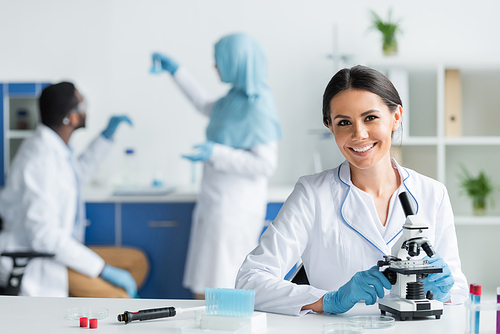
47,315
168,194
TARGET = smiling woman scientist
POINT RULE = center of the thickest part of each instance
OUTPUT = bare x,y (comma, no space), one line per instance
239,157
343,220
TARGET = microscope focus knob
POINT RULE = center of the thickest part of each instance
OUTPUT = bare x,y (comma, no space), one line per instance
390,275
429,295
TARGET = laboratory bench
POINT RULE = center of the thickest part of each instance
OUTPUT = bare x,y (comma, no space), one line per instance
157,224
48,315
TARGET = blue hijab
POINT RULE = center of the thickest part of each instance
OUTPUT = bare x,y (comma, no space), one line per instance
246,116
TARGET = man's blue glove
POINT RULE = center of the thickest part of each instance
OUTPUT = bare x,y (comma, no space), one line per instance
205,151
439,283
113,124
364,285
166,63
121,278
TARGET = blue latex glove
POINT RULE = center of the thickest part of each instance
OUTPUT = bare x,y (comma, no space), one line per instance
364,285
167,63
439,283
121,278
113,124
205,151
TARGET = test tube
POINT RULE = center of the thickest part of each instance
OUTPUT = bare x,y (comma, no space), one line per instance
498,311
156,67
472,287
193,172
477,300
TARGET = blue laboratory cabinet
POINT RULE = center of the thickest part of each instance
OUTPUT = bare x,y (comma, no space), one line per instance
100,224
161,230
17,100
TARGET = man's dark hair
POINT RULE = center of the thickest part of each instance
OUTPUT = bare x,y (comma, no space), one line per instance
55,102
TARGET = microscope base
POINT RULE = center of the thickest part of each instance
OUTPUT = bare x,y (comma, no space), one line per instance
433,308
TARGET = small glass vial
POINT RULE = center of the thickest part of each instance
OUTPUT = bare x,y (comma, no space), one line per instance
130,168
22,116
156,67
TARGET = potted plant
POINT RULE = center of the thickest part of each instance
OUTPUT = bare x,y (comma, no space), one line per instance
389,29
478,189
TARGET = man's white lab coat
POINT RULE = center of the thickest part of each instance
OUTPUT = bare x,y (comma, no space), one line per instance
39,207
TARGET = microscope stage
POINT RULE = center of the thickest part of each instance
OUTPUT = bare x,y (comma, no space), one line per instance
416,270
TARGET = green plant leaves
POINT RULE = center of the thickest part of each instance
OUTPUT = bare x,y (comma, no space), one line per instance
388,28
478,188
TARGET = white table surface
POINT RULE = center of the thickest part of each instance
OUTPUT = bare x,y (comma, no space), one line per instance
187,193
47,315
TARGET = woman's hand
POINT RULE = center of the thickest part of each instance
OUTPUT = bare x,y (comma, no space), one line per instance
166,63
364,285
439,283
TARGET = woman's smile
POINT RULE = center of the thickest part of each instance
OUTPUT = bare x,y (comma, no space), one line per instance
363,149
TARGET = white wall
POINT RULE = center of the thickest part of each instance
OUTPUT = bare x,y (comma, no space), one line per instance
104,46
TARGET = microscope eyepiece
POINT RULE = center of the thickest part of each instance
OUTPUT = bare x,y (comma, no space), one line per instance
404,198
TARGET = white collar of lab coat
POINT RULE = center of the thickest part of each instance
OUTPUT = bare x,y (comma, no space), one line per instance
51,138
362,217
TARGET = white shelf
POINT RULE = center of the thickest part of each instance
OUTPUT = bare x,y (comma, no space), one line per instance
477,220
19,134
472,141
413,63
416,141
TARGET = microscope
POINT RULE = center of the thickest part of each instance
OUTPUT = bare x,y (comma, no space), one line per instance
407,299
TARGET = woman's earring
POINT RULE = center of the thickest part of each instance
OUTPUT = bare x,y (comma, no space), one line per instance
66,121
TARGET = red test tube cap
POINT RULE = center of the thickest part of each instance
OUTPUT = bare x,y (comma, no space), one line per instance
83,321
93,323
478,289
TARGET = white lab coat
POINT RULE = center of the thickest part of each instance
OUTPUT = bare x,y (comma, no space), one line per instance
231,206
38,207
334,227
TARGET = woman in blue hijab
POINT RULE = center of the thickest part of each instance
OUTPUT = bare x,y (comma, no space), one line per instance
239,156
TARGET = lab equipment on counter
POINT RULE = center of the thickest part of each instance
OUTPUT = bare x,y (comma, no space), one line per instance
220,306
143,190
156,313
498,312
407,298
342,328
372,322
22,119
76,313
93,323
476,299
130,169
481,316
84,321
